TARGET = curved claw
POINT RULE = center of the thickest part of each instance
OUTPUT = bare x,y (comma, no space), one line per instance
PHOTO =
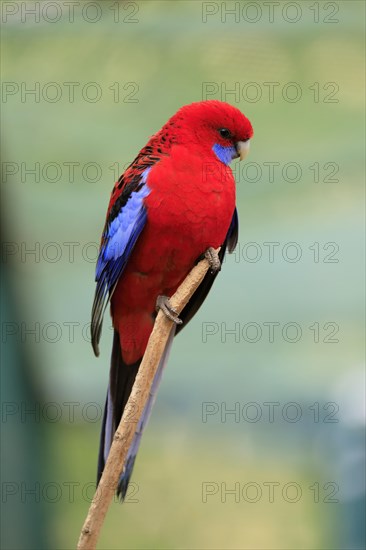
166,307
213,258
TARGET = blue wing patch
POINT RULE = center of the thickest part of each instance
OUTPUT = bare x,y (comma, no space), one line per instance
119,239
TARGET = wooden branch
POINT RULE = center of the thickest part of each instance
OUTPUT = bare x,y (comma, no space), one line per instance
139,395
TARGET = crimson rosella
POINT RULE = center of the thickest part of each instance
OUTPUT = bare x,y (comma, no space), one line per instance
173,205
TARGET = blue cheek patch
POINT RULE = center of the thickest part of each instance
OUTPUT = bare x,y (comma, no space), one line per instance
225,154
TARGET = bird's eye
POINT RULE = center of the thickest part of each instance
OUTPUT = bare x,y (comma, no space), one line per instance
225,133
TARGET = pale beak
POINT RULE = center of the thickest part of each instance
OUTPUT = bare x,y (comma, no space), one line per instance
242,148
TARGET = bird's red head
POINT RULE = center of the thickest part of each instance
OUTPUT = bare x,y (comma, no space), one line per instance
212,125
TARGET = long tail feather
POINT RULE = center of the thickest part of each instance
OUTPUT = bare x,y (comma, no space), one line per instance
133,450
122,378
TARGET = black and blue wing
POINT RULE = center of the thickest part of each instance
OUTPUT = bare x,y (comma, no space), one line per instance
124,224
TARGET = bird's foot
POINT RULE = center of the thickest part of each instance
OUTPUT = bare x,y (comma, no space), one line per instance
213,259
166,307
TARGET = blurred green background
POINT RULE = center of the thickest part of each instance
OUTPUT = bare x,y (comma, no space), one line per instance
145,60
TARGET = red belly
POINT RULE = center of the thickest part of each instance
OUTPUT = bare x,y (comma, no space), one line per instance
185,216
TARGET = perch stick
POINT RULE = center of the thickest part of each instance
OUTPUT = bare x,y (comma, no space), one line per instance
139,395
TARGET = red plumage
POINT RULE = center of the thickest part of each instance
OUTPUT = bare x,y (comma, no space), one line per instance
189,206
189,209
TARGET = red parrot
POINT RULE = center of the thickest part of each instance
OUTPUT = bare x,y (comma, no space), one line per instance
173,205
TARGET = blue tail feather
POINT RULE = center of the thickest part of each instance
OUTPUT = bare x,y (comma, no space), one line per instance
122,377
